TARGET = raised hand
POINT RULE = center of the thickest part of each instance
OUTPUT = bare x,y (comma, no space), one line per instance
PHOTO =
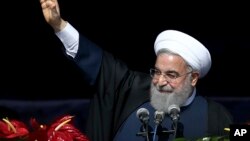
51,13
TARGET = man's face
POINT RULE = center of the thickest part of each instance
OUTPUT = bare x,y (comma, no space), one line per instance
172,83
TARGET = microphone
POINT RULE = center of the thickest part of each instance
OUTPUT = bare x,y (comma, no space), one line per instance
159,116
173,111
143,115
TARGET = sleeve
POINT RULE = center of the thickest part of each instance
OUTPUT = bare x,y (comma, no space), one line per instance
88,58
86,54
69,36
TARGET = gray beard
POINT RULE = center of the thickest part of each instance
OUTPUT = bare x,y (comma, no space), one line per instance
161,101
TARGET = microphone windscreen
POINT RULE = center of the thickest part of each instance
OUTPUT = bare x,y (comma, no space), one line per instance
142,111
159,115
173,108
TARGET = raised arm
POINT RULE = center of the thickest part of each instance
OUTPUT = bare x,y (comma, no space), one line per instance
86,54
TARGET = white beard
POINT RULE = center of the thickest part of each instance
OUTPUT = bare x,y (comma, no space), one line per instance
161,101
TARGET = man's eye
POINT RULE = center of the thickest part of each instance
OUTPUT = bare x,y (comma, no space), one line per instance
171,75
157,72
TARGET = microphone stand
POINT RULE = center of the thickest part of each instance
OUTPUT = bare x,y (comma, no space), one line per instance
175,124
175,120
145,131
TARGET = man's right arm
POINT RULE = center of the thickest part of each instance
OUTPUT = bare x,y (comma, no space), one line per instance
85,53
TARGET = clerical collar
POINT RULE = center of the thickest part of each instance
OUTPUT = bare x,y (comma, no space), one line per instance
190,99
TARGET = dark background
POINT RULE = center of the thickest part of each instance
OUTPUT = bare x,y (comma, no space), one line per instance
33,65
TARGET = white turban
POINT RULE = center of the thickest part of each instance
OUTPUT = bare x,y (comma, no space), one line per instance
190,49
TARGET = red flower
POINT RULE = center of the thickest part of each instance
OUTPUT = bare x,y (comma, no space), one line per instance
64,130
61,130
12,128
39,132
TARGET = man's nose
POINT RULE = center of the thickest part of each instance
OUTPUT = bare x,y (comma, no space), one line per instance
162,81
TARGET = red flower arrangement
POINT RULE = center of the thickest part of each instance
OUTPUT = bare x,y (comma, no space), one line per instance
61,130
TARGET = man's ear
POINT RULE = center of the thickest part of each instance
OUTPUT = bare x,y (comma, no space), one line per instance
195,78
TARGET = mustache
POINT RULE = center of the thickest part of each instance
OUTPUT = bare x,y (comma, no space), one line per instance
166,88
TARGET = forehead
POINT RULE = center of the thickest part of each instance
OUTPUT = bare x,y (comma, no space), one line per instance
170,62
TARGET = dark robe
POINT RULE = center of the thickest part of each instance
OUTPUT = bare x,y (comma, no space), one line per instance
120,91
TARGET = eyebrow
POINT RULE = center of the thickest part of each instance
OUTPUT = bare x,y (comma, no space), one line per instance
168,71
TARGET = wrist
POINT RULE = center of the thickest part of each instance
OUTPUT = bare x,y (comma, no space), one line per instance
60,26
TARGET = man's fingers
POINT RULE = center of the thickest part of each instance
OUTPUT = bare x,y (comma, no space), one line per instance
48,4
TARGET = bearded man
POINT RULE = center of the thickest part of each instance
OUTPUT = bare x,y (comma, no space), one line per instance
120,92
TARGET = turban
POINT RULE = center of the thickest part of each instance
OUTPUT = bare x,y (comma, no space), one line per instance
190,49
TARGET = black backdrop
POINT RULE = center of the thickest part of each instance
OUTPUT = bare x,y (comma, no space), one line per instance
33,65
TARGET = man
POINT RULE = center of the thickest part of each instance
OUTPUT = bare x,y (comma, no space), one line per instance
123,95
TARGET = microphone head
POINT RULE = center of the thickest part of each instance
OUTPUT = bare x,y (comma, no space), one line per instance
142,112
173,109
143,115
159,116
